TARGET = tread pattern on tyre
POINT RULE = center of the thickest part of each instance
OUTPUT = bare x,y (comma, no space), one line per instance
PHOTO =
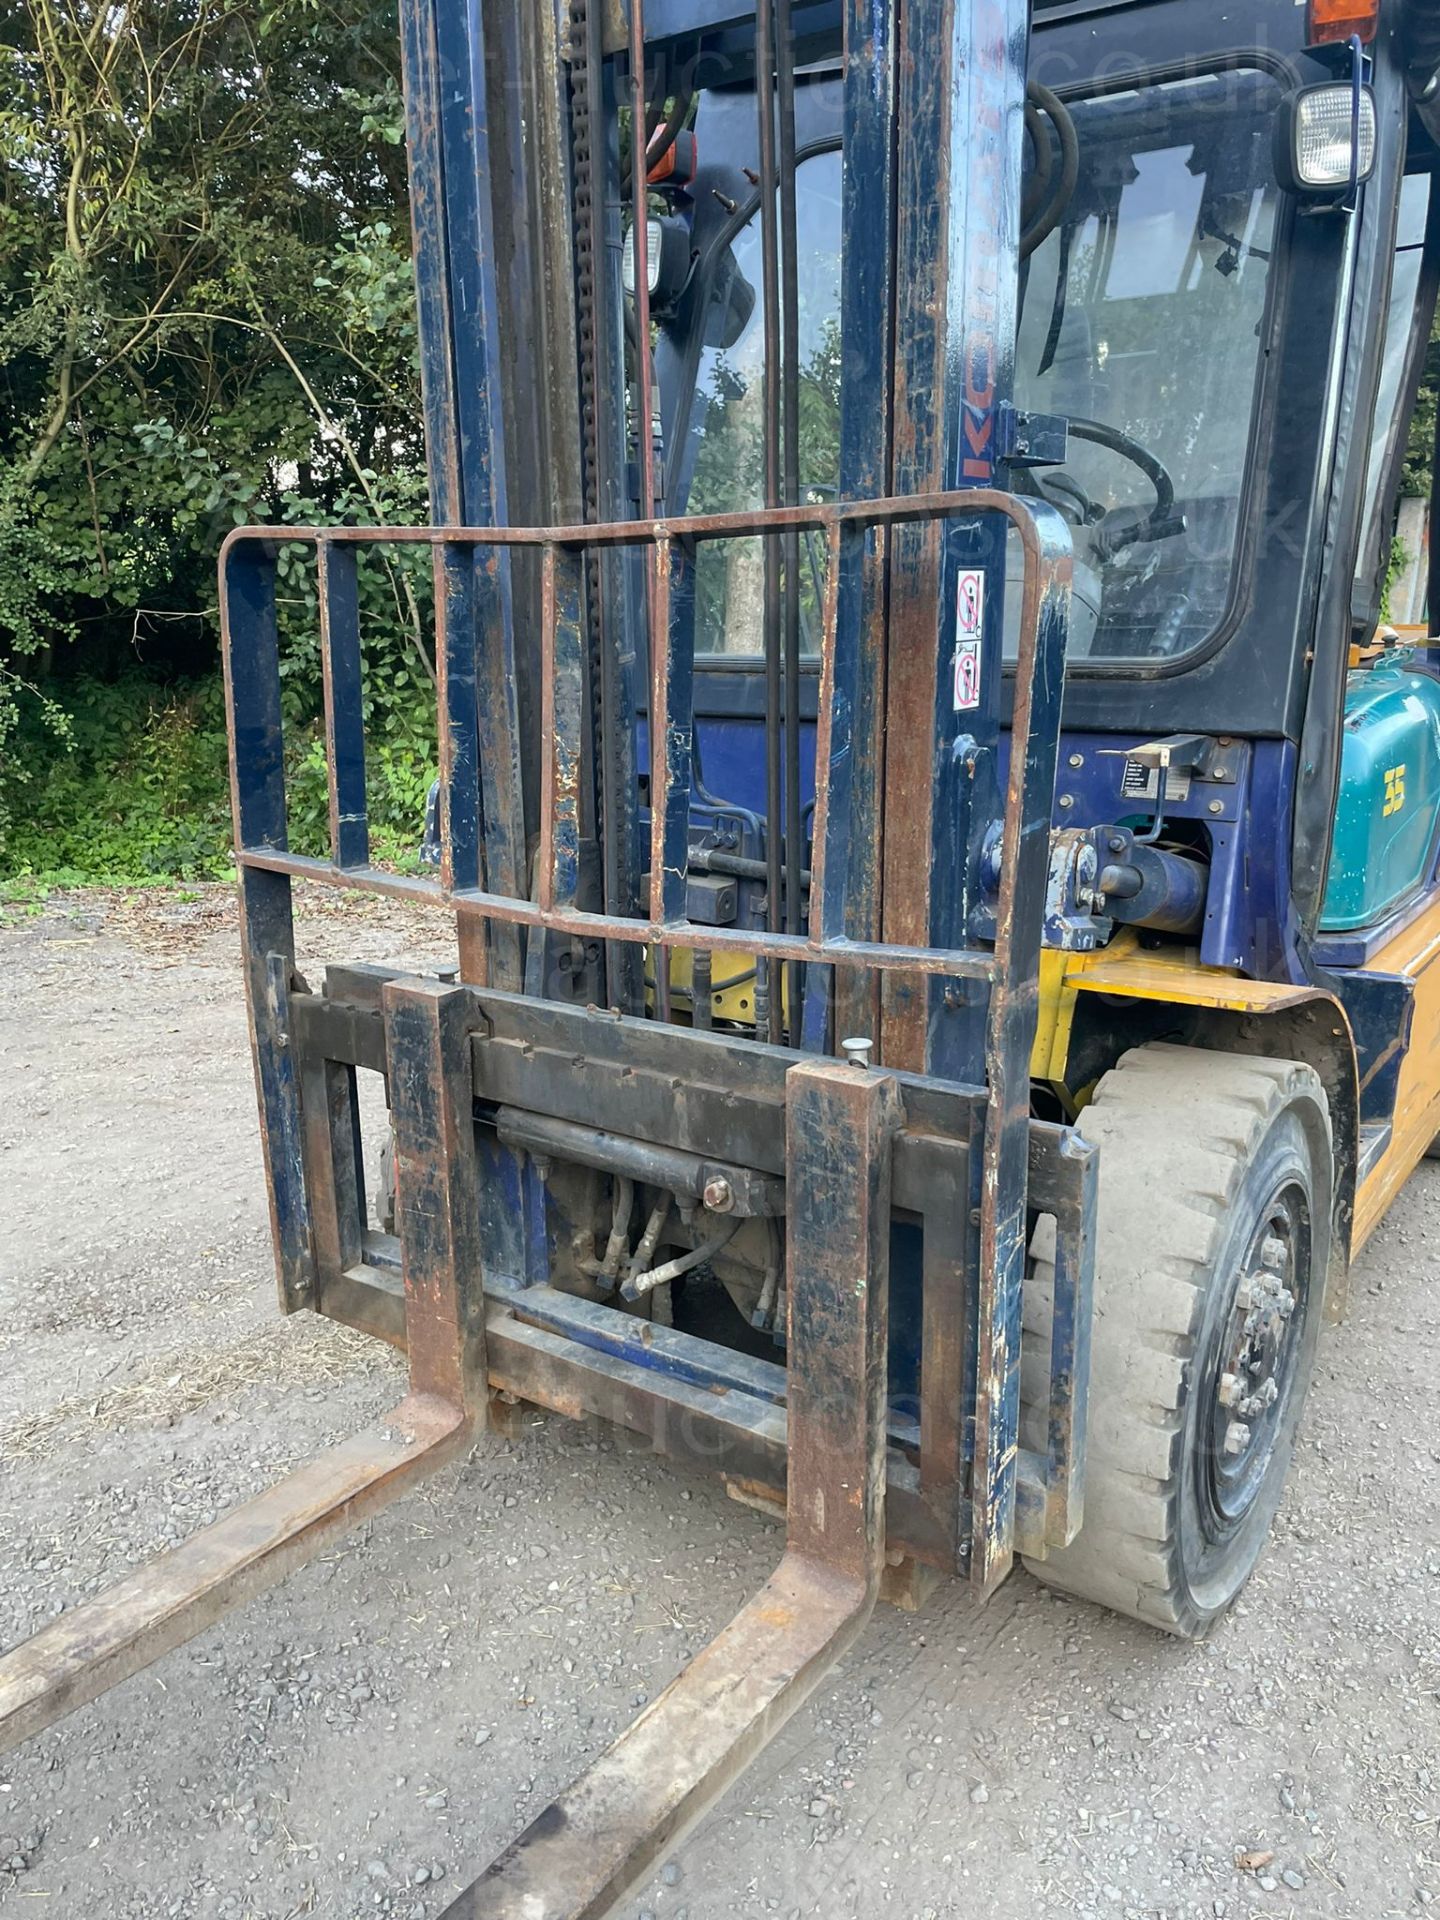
1177,1125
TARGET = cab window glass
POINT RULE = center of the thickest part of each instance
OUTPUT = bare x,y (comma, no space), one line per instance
729,473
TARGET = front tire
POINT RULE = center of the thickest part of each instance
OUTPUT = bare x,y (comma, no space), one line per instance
1212,1244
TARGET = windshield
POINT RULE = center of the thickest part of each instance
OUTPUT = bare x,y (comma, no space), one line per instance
1141,322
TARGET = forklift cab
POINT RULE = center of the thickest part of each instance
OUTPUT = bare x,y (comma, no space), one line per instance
1230,253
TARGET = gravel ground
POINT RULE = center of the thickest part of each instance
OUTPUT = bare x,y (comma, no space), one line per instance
357,1741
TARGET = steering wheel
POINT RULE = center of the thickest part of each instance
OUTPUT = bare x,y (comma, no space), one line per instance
1064,491
1118,527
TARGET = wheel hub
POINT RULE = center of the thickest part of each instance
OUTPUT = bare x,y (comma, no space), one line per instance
1258,1346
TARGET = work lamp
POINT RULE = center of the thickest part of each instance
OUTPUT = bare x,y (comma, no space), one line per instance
667,259
1316,152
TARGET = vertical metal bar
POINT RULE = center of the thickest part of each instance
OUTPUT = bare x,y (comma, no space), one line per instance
656,617
790,492
672,741
602,391
659,735
420,61
454,609
827,913
674,603
562,665
850,773
840,1129
949,1251
250,649
640,244
672,595
334,1179
662,769
962,114
459,745
338,586
452,220
1010,1042
437,1186
702,991
770,308
535,296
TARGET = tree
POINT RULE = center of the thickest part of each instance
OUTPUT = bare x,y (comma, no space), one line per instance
206,317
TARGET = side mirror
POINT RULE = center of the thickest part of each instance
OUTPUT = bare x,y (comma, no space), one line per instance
731,303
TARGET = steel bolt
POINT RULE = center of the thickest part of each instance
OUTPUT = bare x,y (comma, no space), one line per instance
1273,1253
1067,800
719,1194
1229,1389
1077,759
1217,806
857,1052
1237,1437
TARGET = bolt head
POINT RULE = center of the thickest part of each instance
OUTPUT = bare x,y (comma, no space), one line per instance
857,1051
719,1195
1217,806
1237,1438
1273,1253
1230,1389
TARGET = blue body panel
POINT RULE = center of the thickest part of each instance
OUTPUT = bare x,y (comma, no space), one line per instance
1389,805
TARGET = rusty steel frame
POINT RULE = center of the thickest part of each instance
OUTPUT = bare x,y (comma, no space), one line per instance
975,1332
1046,586
568,1077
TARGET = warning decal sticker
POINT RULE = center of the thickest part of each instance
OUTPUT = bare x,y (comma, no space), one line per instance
969,639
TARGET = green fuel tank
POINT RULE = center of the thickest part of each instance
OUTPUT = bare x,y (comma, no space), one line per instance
1389,805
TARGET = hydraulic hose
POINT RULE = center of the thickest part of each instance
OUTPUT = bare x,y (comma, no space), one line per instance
640,1284
1042,101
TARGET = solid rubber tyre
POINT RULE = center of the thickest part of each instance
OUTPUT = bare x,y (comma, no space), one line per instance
1208,1161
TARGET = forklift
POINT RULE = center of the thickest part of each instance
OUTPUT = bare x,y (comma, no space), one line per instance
942,844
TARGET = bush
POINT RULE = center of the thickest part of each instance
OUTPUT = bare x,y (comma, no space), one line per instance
133,784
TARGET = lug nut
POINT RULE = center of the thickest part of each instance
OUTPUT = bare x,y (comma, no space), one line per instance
719,1195
1273,1254
1261,1400
1229,1389
1237,1437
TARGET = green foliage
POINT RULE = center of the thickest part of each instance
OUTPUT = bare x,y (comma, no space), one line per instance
1395,565
1420,452
206,318
134,789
